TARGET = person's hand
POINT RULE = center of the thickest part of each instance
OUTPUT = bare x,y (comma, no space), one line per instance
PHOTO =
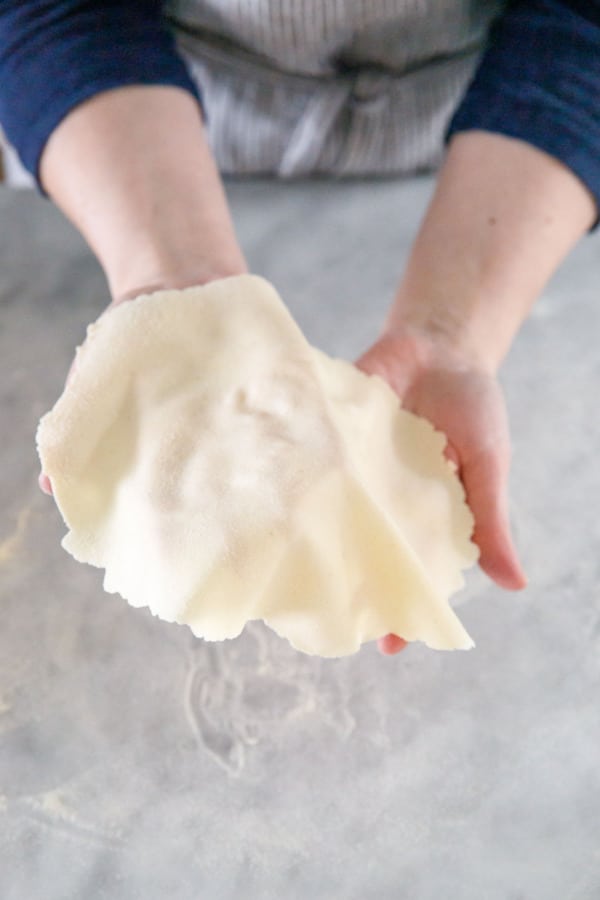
464,401
502,217
150,203
173,282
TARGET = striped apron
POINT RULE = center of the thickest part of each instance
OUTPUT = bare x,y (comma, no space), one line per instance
343,87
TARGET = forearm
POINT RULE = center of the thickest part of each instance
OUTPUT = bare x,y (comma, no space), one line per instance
131,168
502,218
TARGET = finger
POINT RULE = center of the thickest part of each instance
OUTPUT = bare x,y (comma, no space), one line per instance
451,454
391,644
43,480
44,483
485,481
385,359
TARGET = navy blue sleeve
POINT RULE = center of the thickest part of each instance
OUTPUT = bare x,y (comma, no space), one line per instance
54,54
539,82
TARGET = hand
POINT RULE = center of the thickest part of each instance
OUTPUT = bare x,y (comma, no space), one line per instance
503,216
464,401
149,202
172,282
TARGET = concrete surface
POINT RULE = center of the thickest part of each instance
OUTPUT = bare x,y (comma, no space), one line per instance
139,762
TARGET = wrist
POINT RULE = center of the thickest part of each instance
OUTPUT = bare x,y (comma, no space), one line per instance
430,333
502,218
148,200
173,275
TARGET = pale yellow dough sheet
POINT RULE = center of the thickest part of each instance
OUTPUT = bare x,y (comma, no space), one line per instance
222,470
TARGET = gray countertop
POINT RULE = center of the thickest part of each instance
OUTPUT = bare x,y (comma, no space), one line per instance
139,762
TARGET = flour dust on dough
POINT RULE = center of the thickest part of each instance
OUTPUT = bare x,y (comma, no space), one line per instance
222,470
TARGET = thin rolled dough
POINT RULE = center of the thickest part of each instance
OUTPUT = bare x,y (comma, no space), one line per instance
222,470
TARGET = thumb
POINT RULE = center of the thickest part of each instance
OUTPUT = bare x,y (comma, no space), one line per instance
391,360
485,480
44,483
